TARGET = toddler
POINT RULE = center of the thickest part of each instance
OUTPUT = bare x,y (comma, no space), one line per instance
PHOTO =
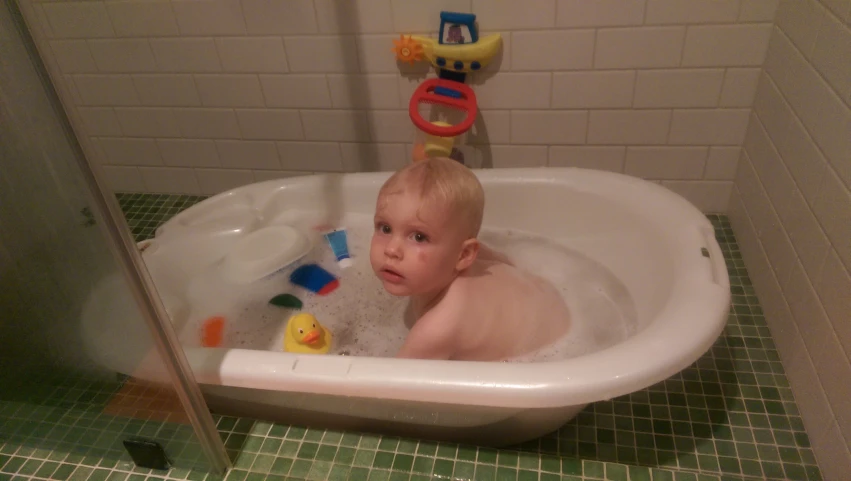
467,302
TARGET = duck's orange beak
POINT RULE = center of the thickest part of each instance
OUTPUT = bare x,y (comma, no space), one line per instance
311,337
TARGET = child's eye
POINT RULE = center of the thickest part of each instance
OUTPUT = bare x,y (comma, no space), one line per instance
384,228
420,237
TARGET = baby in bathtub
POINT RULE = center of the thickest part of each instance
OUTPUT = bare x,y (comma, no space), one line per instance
467,302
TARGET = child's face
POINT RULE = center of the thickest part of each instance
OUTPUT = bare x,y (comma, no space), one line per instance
415,249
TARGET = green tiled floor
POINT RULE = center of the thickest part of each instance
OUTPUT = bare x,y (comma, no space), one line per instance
730,416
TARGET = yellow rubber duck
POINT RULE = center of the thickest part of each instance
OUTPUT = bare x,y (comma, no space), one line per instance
304,335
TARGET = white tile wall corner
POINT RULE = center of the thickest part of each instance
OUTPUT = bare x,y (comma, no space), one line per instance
168,83
791,208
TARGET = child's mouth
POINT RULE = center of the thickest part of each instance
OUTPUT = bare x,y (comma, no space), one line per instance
391,276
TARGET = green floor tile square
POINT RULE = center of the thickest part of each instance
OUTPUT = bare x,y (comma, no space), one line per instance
428,448
332,437
772,470
751,467
307,450
443,467
464,470
379,475
505,474
263,463
300,468
81,473
364,458
383,459
359,474
319,470
406,446
593,469
795,472
326,453
399,476
485,472
339,473
289,449
271,446
281,466
789,455
659,475
487,456
639,473
423,465
616,472
388,444
507,459
30,466
350,440
403,462
450,450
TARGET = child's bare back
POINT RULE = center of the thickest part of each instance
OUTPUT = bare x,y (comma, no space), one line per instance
492,311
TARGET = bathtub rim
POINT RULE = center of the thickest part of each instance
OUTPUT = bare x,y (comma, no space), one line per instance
601,375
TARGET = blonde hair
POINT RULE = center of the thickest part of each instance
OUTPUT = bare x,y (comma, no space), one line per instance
443,182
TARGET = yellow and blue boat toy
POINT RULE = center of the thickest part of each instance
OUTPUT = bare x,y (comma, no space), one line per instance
458,47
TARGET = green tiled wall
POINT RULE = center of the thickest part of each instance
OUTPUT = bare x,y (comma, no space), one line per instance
730,416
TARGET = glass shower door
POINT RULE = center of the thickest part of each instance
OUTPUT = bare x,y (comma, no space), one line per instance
92,377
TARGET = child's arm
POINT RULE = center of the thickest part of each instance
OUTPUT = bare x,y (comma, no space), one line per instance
430,338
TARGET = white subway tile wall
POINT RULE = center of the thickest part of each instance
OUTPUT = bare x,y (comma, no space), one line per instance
267,88
791,211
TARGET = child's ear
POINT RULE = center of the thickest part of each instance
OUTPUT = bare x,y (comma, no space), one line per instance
469,251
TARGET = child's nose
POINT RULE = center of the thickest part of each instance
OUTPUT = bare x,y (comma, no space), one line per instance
393,248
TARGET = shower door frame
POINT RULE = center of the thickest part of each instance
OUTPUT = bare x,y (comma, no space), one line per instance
124,248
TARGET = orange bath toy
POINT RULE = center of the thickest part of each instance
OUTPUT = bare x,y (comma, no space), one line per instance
212,331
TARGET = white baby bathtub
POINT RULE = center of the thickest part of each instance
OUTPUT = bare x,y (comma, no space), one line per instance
658,244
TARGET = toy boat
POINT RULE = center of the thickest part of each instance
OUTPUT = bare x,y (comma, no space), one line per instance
460,57
458,48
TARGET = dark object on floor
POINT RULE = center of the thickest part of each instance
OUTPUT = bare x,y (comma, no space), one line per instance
286,300
147,454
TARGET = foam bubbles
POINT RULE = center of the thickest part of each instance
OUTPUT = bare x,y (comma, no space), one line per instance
366,321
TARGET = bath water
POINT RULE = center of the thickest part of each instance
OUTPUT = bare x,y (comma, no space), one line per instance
366,321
